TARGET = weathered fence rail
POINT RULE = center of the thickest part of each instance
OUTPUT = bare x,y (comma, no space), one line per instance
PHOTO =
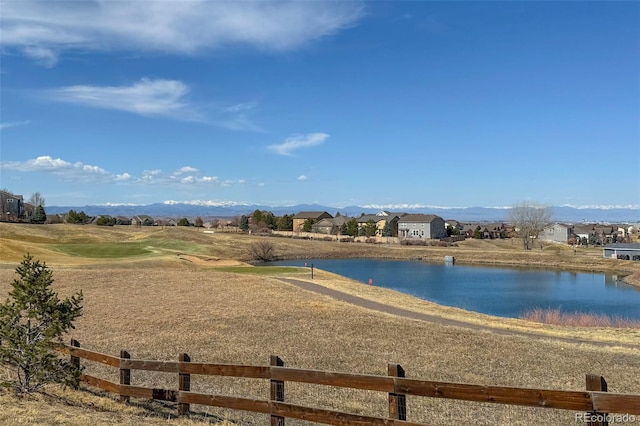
594,400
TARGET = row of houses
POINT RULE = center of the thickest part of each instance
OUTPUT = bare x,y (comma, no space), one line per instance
428,226
402,225
589,233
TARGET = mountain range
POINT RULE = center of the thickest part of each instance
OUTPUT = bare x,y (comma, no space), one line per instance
462,214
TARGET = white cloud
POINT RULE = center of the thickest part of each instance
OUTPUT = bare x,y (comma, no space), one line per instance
155,98
91,169
79,171
185,169
146,97
13,124
241,107
48,164
150,175
294,143
302,177
209,179
45,29
124,177
42,55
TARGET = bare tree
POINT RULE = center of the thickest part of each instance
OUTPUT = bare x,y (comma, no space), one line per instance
262,250
36,199
529,220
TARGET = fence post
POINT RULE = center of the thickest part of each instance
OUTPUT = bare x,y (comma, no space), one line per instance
184,384
277,390
75,361
597,383
397,401
125,375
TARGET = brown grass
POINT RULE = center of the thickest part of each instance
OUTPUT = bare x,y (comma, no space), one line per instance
557,317
56,406
157,307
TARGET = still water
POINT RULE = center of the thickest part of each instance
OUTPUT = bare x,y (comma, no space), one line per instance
494,291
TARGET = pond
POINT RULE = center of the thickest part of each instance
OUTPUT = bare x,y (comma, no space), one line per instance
495,291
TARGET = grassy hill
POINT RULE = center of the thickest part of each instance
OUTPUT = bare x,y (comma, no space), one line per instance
161,292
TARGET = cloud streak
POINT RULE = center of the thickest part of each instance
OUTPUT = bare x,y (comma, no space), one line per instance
10,124
166,98
156,98
79,171
43,30
297,142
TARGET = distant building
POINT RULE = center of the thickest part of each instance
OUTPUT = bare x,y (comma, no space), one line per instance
421,226
628,251
12,206
557,232
300,218
329,226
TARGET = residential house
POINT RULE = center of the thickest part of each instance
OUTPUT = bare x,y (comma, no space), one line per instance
493,230
558,232
329,226
123,220
454,224
628,251
381,219
300,218
142,220
11,206
584,231
421,226
469,230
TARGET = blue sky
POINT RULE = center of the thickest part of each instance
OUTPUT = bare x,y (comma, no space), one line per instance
452,104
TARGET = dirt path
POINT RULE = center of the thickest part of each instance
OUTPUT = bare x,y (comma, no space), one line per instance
381,307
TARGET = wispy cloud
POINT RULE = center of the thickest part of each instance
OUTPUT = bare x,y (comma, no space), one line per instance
147,97
297,142
43,30
157,98
42,55
79,171
302,177
13,124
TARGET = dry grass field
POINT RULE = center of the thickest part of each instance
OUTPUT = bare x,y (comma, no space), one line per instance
160,292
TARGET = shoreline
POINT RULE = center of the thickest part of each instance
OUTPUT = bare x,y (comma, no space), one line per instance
628,277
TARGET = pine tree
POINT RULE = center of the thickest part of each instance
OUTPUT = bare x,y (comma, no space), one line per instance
33,321
39,216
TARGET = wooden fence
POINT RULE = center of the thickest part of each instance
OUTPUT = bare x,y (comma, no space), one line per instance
595,401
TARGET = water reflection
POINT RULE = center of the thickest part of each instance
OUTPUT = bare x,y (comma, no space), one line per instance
491,290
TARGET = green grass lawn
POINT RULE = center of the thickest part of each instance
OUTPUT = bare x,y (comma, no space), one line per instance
102,250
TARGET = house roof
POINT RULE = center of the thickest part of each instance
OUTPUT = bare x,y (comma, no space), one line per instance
583,229
367,217
632,246
419,218
565,225
6,194
312,215
332,221
340,220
